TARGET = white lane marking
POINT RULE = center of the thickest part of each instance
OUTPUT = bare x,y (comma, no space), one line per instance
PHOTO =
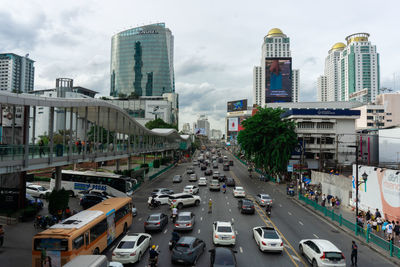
280,205
233,220
166,230
140,219
201,218
204,202
227,203
241,250
226,197
230,210
301,223
315,236
236,232
294,257
286,246
289,213
198,231
202,209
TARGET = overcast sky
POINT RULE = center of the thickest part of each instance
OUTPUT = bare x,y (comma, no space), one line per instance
217,42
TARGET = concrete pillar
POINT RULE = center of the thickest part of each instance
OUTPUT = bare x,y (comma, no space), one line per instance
129,162
34,125
65,128
108,130
22,190
71,139
57,177
51,132
26,135
85,133
117,164
144,158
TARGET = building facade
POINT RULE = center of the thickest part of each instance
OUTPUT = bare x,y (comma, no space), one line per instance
186,128
295,85
332,72
142,61
203,123
358,70
216,134
17,73
322,90
257,85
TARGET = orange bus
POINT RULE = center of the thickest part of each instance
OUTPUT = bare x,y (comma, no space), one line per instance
87,232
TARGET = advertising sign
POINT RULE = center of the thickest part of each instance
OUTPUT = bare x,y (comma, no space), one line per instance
110,228
200,131
8,116
238,105
381,191
233,124
278,80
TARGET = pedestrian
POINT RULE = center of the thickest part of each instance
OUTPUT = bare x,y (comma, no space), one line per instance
389,230
375,225
354,250
377,214
333,201
379,223
323,200
396,230
368,215
316,198
79,147
41,147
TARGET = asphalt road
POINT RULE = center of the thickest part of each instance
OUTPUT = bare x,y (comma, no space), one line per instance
293,222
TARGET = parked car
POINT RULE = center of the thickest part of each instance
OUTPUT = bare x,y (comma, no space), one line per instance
193,177
184,221
37,191
230,182
320,252
162,198
33,202
90,200
246,206
190,170
264,199
177,179
202,181
226,167
238,191
203,167
214,185
187,250
191,189
155,221
159,191
222,257
131,248
184,199
231,163
223,233
267,239
208,172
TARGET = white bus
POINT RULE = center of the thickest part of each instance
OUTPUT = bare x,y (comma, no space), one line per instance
77,181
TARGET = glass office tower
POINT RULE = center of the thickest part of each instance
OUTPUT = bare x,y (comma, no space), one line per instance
142,61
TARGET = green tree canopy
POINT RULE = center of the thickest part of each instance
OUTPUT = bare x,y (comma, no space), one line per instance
102,134
268,140
160,123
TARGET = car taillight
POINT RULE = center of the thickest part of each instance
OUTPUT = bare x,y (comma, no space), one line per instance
145,223
158,223
176,224
262,242
282,244
233,237
343,257
216,236
323,256
188,224
133,254
190,252
174,200
243,207
262,201
113,254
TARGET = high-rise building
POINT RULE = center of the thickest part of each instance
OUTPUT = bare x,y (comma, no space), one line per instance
203,123
295,85
142,61
257,85
322,88
186,128
332,72
276,84
17,73
358,70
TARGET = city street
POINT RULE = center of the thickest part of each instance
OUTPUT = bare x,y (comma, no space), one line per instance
291,220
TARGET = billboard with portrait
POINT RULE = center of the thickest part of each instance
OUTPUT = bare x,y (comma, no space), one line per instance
278,80
200,131
238,105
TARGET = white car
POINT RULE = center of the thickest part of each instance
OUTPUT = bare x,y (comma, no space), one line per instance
191,189
264,199
223,233
193,178
163,198
267,239
37,191
202,181
239,192
131,248
184,199
320,252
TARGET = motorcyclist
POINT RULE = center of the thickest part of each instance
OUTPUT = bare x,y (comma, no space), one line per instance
174,239
268,209
152,201
174,213
224,188
1,235
153,256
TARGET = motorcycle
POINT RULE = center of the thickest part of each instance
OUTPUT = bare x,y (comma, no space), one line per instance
290,191
153,262
173,217
268,211
171,244
154,205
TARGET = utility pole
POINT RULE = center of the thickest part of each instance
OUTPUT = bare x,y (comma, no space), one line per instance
337,151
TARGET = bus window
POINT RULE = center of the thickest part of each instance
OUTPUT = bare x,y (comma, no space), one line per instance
51,244
98,230
87,238
78,242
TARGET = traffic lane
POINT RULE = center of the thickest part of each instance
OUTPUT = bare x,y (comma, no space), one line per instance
299,224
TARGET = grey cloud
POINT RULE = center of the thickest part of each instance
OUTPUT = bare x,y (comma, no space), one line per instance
197,65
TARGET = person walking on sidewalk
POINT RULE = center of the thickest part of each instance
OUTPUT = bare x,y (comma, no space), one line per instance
323,200
368,215
354,250
396,230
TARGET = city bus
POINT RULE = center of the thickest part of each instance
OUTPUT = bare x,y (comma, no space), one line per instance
78,181
88,232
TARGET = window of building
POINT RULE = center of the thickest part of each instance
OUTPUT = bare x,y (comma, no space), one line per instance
324,125
370,124
370,117
369,110
305,125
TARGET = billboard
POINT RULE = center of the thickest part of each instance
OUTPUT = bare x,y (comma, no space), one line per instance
238,105
278,80
233,124
200,131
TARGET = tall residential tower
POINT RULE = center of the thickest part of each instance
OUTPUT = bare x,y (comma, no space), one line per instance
17,73
142,61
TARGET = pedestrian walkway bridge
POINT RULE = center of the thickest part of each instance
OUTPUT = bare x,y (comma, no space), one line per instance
92,130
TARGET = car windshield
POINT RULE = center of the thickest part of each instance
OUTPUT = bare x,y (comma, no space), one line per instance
224,229
239,189
184,218
224,259
270,234
188,187
41,188
126,244
154,218
177,176
333,255
266,197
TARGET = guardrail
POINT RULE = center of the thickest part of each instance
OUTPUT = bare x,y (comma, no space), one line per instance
366,233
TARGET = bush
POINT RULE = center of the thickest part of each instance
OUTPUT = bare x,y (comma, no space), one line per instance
58,200
156,163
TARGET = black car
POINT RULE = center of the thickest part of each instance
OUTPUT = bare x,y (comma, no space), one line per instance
90,200
187,250
246,206
220,160
203,167
222,178
208,172
230,182
222,257
226,167
231,163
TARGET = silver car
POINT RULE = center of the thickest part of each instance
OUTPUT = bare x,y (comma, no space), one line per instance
193,178
185,221
264,199
177,179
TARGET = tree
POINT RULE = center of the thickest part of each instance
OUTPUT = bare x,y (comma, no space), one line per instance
268,140
102,135
159,123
